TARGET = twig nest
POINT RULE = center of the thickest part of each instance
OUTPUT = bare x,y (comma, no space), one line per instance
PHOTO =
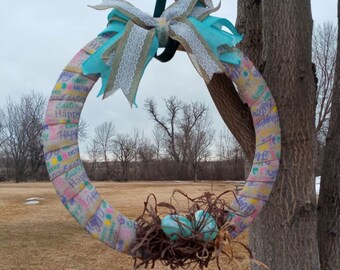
192,234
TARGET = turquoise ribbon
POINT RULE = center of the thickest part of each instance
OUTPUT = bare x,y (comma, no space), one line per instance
187,21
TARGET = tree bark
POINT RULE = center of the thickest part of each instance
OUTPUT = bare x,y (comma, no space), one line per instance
284,235
249,24
329,199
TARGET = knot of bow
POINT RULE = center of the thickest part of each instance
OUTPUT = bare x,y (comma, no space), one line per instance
134,38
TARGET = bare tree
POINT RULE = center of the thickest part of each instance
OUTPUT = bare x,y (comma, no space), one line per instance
3,138
324,57
284,235
186,133
249,24
167,125
290,215
23,128
228,149
3,135
37,105
226,145
158,137
93,152
196,134
104,139
146,153
329,197
125,148
83,130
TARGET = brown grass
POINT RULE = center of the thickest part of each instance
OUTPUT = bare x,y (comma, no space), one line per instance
45,236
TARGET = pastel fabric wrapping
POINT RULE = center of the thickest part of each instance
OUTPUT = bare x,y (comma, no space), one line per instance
67,173
255,92
60,134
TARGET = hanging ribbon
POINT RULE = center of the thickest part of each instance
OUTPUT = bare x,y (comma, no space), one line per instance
136,37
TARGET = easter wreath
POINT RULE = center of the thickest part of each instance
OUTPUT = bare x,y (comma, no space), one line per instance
119,55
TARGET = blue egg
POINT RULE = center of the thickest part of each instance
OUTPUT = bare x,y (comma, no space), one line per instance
175,225
205,226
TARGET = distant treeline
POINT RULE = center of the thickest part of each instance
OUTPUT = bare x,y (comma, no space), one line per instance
184,146
162,170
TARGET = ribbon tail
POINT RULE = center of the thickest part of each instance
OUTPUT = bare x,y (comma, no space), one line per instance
136,48
206,61
95,64
150,48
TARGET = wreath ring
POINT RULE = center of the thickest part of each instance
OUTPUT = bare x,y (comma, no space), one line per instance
60,134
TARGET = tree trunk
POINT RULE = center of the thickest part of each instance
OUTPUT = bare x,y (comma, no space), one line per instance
249,24
284,235
18,171
329,199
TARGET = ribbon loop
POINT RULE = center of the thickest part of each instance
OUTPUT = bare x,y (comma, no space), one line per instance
136,36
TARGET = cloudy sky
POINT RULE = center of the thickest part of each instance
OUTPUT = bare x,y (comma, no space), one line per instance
39,37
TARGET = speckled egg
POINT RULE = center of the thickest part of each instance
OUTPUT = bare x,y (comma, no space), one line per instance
205,226
175,225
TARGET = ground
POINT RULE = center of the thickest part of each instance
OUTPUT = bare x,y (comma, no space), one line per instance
45,236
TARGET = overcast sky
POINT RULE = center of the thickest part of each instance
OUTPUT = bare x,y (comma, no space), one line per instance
39,37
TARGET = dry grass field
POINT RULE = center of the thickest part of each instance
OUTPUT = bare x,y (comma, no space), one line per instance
45,236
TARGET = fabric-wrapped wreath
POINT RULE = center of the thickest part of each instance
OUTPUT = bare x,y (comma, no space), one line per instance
119,55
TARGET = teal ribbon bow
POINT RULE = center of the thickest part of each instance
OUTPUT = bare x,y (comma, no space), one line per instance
136,37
